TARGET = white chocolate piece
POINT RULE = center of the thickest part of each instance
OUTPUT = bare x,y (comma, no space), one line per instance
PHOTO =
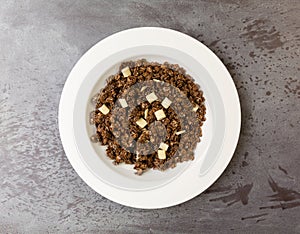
156,80
163,146
146,113
161,154
141,123
104,109
180,132
196,108
160,114
123,103
166,103
151,97
126,71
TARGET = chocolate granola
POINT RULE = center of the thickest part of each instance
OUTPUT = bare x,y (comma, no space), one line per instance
149,115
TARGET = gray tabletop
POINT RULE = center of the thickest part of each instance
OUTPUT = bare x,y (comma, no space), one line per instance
259,42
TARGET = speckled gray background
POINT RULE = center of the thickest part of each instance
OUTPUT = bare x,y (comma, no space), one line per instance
259,41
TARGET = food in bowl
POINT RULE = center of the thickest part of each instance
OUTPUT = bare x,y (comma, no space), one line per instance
149,115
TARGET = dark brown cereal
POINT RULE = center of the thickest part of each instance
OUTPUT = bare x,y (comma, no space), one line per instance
112,131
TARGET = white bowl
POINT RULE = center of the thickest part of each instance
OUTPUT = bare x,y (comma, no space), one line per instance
154,189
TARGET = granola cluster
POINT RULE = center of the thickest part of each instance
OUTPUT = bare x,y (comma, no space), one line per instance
156,131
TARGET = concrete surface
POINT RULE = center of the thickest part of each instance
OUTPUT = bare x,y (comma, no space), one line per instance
259,41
